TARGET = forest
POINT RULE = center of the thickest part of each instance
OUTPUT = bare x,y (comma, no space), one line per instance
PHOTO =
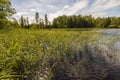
73,47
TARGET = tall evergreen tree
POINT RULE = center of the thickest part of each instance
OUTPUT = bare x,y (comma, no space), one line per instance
46,21
37,17
22,21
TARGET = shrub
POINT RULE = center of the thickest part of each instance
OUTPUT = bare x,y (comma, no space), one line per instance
4,24
112,26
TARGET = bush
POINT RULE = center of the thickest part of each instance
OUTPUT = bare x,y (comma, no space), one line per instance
119,26
4,23
112,26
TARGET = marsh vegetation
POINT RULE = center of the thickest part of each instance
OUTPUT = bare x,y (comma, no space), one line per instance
58,55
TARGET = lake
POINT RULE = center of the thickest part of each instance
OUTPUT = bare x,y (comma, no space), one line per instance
111,36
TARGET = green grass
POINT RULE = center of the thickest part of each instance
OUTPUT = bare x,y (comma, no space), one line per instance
22,51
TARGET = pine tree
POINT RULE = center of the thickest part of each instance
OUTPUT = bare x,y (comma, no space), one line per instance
37,17
22,23
46,21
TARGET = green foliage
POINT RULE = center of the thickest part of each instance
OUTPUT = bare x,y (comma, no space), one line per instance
5,9
4,23
24,22
20,53
25,54
74,21
15,23
103,22
78,21
46,21
5,12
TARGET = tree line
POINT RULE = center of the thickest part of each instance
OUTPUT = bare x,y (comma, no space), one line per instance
73,21
78,21
39,22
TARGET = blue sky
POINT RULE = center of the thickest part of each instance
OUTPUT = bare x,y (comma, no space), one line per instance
55,8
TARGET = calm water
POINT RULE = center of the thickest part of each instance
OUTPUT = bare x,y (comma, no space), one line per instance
111,36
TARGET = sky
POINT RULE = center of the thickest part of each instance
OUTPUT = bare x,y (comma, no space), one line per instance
55,8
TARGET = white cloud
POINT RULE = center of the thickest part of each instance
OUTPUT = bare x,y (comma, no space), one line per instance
73,9
50,6
77,7
33,10
100,14
66,6
100,8
21,13
102,5
55,8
